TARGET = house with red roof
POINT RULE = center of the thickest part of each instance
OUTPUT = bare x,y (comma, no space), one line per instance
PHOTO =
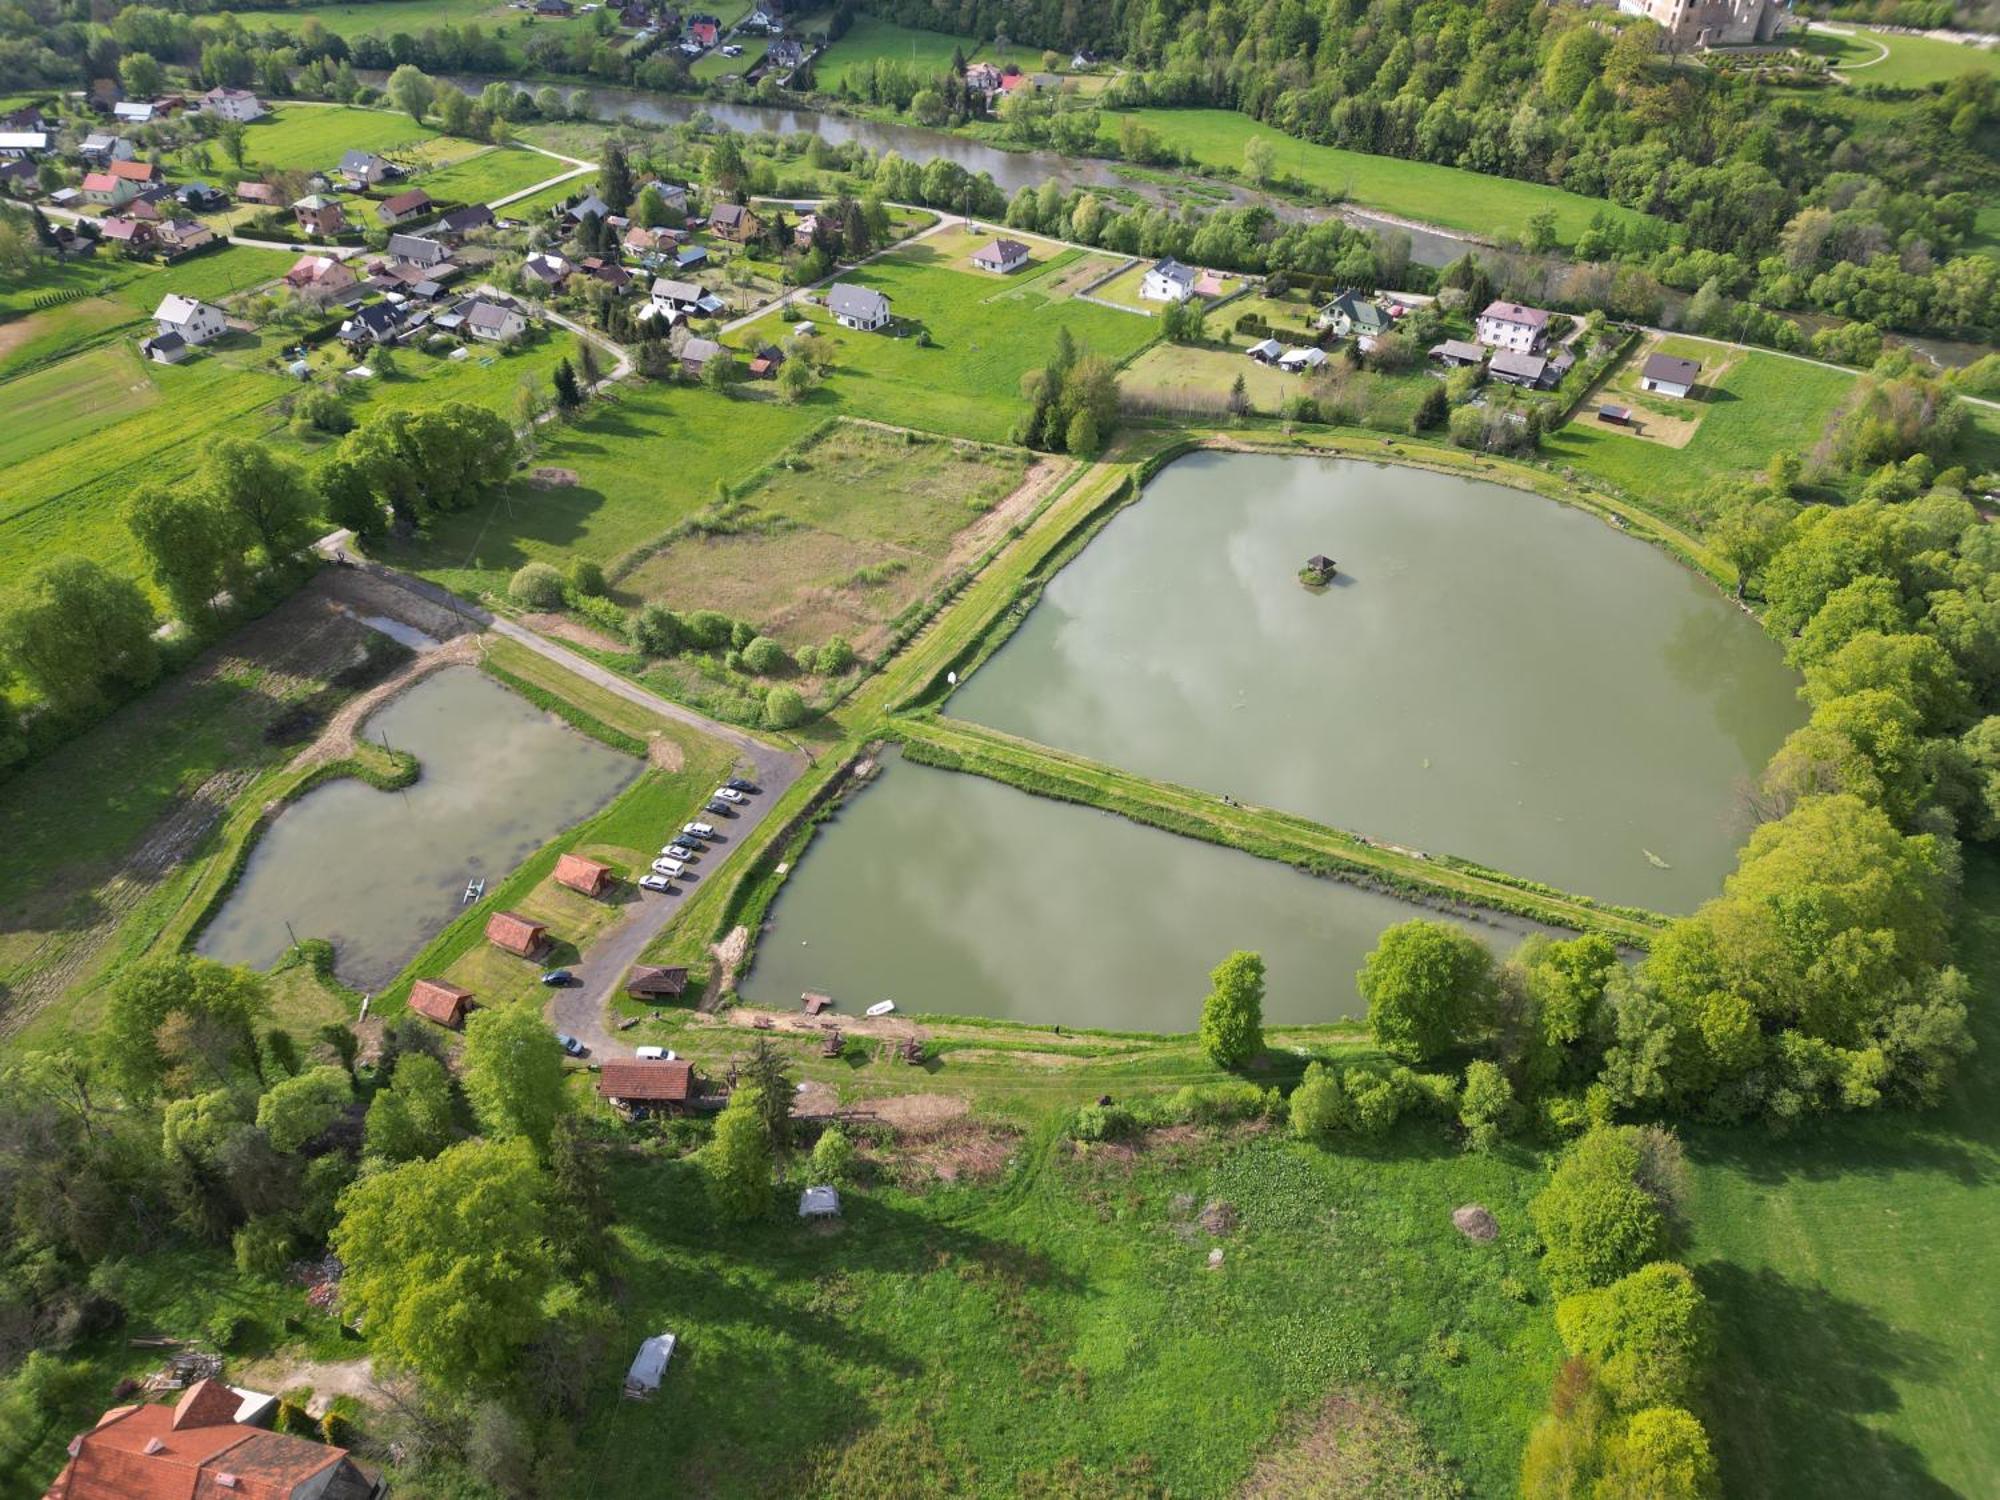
443,1003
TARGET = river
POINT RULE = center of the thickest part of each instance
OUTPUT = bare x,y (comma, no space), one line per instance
381,873
1492,675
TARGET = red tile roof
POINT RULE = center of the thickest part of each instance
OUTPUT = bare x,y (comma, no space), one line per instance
99,182
134,171
647,1082
208,1403
515,933
650,979
153,1453
407,203
581,874
440,1002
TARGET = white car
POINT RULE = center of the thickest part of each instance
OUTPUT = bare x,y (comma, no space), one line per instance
668,867
679,851
654,1054
699,830
730,794
655,883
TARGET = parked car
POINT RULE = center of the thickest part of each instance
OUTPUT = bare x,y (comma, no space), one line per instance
668,867
729,794
570,1044
655,883
738,784
558,977
654,1054
699,830
717,806
679,851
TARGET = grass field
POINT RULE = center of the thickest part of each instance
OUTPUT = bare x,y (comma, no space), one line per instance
306,137
492,173
1448,196
1912,61
869,38
1853,1267
411,16
984,336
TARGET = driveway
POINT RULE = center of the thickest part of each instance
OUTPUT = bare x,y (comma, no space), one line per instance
579,1009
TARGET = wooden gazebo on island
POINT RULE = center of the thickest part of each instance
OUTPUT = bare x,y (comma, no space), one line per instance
1318,571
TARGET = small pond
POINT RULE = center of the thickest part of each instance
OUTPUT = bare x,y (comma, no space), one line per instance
381,873
951,893
1491,675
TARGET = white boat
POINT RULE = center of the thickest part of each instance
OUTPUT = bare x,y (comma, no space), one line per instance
881,1007
474,889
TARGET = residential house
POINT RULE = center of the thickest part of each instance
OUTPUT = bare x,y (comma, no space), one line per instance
178,237
19,178
704,31
805,231
193,320
443,1003
1001,256
202,198
259,193
786,56
239,105
364,169
1700,24
460,222
513,933
1458,353
402,207
643,1088
101,149
652,982
734,222
141,173
112,192
1350,313
1508,325
1669,375
673,194
319,277
1014,81
588,206
858,307
642,241
1167,281
133,112
417,249
585,876
135,236
1517,368
676,296
321,216
696,353
496,320
165,348
545,270
609,272
983,78
26,117
197,1447
22,145
377,323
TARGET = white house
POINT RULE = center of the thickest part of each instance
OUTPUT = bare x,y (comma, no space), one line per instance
1003,257
16,145
197,322
1508,325
233,104
497,322
676,296
134,112
165,348
1167,281
857,306
1668,375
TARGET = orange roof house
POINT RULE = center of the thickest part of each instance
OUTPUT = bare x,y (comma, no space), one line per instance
443,1003
516,934
135,171
647,1084
196,1448
581,874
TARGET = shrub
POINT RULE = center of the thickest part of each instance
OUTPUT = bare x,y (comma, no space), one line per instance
1663,1454
263,1247
337,1430
1319,1104
656,630
586,577
835,657
1428,986
784,708
1647,1334
833,1156
536,585
1487,1107
1232,1018
294,1420
764,656
1596,1222
1103,1122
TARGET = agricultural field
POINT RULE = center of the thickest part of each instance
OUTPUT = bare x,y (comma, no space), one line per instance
841,534
493,173
928,52
1447,196
983,338
411,16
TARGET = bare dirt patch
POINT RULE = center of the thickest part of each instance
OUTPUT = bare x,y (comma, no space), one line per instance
666,754
565,628
1475,1222
919,1112
962,1150
728,956
549,477
328,1379
1357,1444
1667,420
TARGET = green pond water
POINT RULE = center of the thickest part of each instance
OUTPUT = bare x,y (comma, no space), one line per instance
1492,675
955,894
381,873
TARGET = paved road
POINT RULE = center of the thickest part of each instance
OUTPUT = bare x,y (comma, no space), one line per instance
580,1008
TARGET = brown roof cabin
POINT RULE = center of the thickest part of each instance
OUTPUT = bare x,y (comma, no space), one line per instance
516,934
641,1087
443,1003
648,980
585,875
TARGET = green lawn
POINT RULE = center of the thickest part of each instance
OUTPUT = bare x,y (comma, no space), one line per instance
929,52
492,173
391,16
984,336
1854,1269
1448,196
1913,61
644,462
307,137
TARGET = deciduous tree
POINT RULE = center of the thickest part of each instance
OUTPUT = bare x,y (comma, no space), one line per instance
1232,1018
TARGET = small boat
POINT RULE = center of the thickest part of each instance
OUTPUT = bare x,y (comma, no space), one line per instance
881,1007
474,889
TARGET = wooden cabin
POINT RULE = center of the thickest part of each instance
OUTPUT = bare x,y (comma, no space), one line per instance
639,1088
515,934
443,1003
650,982
584,875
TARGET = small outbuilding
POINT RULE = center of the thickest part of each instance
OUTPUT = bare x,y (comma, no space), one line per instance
651,982
1266,351
640,1088
584,875
1620,415
649,1366
819,1203
1668,375
1319,567
516,934
1459,353
443,1003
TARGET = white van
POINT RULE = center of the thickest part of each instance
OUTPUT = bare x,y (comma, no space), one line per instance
671,868
654,1054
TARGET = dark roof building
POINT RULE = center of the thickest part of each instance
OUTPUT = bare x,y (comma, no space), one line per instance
647,981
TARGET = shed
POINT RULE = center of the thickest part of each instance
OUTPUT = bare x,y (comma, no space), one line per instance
1459,352
649,980
641,1087
1618,414
1517,368
515,934
1265,351
649,1366
585,875
819,1203
1322,565
443,1003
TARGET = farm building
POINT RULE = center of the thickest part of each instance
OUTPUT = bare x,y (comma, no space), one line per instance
649,981
1001,256
516,934
443,1003
1669,375
585,875
647,1087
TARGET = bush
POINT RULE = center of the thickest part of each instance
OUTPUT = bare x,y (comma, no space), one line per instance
1429,985
784,708
263,1247
1647,1334
337,1430
1663,1453
708,629
835,657
1487,1108
764,656
1232,1018
833,1157
1596,1221
586,577
656,630
1103,1122
536,585
294,1420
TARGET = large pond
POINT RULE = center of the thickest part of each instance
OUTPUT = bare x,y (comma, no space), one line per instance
951,893
1493,675
381,873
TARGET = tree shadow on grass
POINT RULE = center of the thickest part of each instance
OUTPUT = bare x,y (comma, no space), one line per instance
1793,1382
